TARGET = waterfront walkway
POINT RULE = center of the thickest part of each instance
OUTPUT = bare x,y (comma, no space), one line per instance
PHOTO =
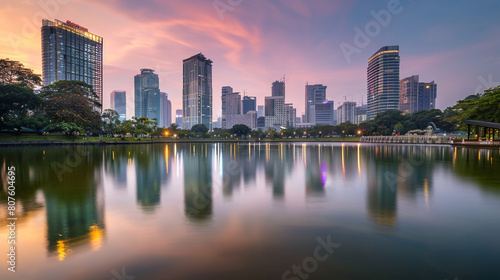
415,139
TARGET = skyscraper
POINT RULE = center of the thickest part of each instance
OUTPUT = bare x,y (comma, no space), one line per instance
165,110
415,96
231,106
70,52
248,103
383,81
147,95
315,94
197,91
324,113
119,103
346,112
278,88
178,118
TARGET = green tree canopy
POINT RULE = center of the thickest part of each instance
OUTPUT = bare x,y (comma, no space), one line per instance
199,128
72,102
15,104
240,130
14,73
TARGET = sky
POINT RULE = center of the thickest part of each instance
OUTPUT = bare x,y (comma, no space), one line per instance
255,42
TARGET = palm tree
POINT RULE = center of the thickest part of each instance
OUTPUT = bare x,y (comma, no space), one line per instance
173,127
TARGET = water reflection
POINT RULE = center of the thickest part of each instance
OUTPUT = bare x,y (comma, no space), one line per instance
197,161
325,188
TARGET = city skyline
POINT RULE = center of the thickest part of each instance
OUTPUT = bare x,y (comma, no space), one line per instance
251,49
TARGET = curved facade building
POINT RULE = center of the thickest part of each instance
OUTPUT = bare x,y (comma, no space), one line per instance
383,81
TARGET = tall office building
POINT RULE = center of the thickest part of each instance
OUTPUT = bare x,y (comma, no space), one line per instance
70,52
119,103
178,118
231,106
165,110
278,88
361,114
323,113
249,103
315,94
260,111
197,91
415,96
346,112
383,81
147,95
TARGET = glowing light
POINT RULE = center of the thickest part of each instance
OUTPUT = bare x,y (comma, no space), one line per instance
95,234
63,249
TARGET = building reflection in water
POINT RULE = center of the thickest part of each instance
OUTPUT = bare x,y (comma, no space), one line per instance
75,207
396,171
198,182
278,166
151,164
316,170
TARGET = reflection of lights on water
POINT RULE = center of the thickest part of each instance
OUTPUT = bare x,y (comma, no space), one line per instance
343,164
359,160
95,235
426,193
166,156
63,249
324,173
113,155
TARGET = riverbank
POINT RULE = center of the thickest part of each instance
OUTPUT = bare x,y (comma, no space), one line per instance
56,140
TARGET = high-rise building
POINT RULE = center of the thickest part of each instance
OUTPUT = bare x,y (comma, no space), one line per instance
119,103
231,106
71,52
324,113
315,94
147,95
277,113
178,118
383,81
415,95
346,112
249,103
278,88
165,110
197,91
260,111
360,114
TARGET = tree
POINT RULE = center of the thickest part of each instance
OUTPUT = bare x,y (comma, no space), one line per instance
68,128
240,130
14,73
173,127
72,102
199,129
16,103
111,121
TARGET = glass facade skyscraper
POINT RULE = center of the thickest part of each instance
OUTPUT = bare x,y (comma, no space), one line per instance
119,103
249,103
383,81
315,94
147,95
70,52
197,91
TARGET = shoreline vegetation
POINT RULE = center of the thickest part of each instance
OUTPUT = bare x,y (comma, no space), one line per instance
54,140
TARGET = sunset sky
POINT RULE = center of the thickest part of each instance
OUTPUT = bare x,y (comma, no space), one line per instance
255,42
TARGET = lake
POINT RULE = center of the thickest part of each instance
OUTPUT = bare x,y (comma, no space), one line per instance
253,211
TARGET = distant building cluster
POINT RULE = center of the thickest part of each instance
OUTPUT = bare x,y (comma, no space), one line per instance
70,52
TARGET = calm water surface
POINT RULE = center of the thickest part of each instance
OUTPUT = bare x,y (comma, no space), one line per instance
240,211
